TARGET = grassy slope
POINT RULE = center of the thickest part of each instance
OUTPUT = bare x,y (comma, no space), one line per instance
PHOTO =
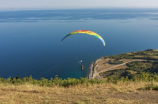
109,93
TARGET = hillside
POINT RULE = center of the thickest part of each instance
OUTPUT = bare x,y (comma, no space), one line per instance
130,78
132,64
107,93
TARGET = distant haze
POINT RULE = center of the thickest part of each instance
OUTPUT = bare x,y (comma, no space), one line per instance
66,4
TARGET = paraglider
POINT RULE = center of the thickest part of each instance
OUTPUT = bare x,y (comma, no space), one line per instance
82,67
84,32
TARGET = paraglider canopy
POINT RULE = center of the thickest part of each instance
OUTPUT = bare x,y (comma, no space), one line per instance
85,32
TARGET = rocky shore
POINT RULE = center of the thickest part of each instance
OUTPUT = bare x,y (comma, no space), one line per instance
93,71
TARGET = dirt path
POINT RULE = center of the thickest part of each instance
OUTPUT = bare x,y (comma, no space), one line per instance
114,66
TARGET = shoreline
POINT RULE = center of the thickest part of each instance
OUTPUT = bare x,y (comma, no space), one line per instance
103,65
93,71
95,68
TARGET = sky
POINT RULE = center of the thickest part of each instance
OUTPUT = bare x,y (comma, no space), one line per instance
64,4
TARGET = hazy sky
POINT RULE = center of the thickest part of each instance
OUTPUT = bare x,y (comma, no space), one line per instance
9,4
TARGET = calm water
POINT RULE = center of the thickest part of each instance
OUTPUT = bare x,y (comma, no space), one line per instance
30,40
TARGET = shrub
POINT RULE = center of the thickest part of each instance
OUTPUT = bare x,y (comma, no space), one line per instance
151,86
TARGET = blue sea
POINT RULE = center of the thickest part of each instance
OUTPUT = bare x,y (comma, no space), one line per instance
30,40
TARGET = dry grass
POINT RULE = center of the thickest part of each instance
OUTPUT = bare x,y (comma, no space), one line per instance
132,72
94,94
154,56
122,101
139,56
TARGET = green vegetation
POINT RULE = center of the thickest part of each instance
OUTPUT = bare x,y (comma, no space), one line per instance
115,62
136,69
148,55
73,81
52,82
121,56
151,86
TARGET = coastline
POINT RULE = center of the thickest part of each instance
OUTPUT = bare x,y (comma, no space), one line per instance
102,65
93,71
96,67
